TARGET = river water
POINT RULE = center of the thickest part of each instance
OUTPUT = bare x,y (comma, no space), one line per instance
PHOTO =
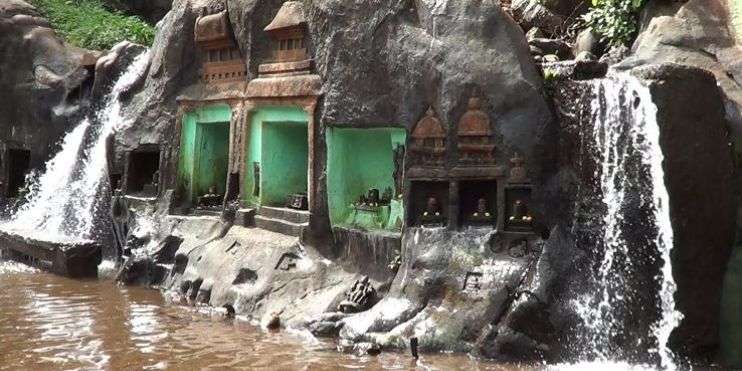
49,322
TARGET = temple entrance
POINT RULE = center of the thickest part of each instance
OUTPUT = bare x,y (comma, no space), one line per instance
204,156
212,158
364,181
143,171
284,165
18,163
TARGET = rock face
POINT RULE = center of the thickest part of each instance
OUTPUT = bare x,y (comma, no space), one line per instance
697,33
449,291
465,290
690,116
44,86
417,55
173,66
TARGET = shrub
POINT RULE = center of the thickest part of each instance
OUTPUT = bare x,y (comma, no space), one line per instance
87,24
614,20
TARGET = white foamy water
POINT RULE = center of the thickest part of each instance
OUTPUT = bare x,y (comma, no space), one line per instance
625,124
61,205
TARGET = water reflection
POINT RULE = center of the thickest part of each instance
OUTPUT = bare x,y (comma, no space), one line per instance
53,323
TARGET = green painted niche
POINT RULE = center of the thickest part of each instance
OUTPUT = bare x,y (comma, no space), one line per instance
358,160
276,155
204,151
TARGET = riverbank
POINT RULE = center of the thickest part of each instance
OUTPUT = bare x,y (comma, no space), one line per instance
53,323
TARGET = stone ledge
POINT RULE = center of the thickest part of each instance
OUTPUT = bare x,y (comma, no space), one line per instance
285,86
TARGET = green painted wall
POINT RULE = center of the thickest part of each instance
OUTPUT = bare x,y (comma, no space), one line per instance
284,161
278,152
359,159
204,150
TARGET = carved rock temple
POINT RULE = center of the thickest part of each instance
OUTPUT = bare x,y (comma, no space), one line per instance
396,175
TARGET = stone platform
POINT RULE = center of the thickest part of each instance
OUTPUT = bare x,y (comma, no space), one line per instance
74,259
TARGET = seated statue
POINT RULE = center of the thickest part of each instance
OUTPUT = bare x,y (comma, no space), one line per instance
520,217
359,298
482,214
432,213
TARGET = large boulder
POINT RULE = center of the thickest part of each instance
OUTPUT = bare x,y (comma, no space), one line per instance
698,175
698,33
44,83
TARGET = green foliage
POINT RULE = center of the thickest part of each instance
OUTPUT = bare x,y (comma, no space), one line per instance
88,24
614,20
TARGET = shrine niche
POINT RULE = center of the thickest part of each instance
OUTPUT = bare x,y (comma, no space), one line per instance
478,202
518,198
222,61
475,143
428,144
429,203
143,171
289,49
203,163
365,187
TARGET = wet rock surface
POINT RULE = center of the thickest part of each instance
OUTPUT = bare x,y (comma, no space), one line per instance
44,87
697,33
689,169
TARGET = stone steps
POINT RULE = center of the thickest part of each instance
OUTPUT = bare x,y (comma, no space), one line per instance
289,215
280,225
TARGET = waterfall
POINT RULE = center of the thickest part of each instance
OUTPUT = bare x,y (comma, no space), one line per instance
628,158
62,203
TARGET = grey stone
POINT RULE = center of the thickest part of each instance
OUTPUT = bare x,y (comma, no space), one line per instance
44,87
697,161
586,56
695,33
553,46
587,41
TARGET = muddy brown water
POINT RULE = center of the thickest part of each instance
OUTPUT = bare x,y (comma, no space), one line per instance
49,322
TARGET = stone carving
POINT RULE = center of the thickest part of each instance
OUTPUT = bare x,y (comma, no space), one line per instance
482,213
298,201
222,61
287,261
213,30
519,216
210,199
287,31
475,141
359,298
517,172
429,140
432,213
472,281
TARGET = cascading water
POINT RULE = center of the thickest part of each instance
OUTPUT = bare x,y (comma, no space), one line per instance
61,204
628,158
